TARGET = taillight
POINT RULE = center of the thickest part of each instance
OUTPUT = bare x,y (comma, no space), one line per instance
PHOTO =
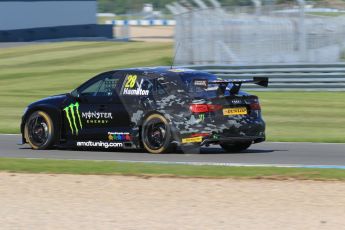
204,108
200,135
213,108
255,106
198,108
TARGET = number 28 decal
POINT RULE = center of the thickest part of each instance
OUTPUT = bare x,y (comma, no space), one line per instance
133,87
130,81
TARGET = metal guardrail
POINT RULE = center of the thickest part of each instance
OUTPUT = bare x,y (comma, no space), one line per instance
298,77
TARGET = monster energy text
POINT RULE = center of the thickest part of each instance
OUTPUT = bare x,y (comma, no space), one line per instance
73,117
96,115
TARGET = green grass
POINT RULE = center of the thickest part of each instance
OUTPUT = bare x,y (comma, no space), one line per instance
143,169
29,73
32,72
304,116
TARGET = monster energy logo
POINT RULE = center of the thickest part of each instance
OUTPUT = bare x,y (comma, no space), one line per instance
202,116
72,114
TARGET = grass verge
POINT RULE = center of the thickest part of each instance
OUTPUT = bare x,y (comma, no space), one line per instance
144,169
304,116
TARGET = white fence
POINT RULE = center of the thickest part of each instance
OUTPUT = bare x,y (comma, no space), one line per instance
213,35
284,77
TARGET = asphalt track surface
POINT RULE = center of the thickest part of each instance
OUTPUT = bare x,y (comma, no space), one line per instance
269,153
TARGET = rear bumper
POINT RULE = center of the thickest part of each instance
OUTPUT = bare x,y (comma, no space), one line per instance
252,130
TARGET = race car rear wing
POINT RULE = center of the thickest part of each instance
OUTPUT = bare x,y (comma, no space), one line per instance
236,83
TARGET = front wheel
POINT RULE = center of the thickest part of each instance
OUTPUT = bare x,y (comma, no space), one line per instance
156,134
39,130
235,147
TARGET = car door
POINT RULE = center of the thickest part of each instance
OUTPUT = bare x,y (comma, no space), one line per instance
98,110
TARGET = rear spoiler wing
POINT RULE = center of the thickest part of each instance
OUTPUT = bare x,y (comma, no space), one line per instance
236,83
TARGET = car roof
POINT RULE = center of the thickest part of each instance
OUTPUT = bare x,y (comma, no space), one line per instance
165,71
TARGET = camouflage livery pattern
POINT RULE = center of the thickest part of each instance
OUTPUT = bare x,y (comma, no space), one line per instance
174,105
143,91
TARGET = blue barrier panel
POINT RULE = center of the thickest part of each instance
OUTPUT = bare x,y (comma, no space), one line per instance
56,32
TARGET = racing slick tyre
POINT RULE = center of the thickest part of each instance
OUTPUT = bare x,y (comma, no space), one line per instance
236,147
156,134
39,130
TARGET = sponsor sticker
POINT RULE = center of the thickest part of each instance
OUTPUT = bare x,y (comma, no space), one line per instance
73,117
191,140
201,83
94,117
76,118
201,116
118,136
235,111
132,87
100,144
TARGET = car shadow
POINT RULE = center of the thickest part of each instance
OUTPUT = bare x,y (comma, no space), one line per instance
248,151
25,148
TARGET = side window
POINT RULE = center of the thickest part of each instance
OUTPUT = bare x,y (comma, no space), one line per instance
92,89
104,87
107,87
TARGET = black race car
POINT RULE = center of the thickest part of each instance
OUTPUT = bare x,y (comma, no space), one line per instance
157,109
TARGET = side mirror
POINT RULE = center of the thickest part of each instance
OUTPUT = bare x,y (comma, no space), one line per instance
75,95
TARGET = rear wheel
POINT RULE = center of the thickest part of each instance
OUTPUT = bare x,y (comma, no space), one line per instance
39,130
156,134
235,147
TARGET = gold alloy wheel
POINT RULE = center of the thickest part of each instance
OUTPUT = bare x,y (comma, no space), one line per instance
156,134
39,130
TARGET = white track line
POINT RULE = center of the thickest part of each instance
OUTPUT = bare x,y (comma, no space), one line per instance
209,163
